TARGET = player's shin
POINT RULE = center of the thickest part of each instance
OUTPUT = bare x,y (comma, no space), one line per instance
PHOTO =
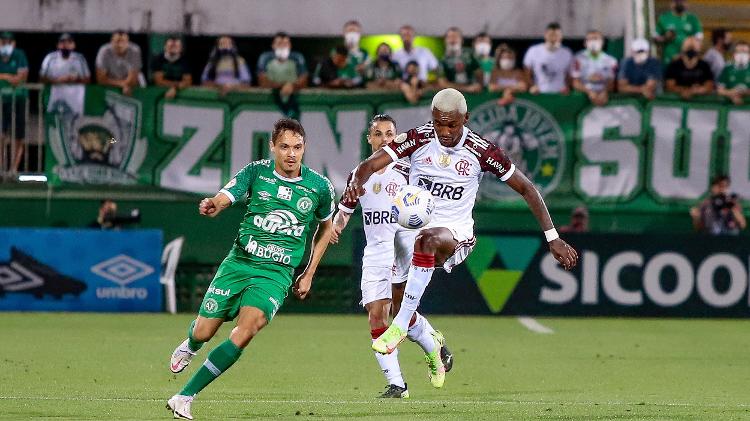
193,344
420,273
388,362
218,361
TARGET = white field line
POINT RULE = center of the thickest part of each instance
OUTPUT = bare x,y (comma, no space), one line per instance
534,326
405,402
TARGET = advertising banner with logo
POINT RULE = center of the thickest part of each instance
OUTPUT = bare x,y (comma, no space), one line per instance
80,270
630,151
617,275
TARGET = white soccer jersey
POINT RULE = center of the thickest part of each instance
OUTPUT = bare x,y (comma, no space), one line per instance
451,175
380,226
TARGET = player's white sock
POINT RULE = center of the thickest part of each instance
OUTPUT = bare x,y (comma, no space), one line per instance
421,333
420,273
389,363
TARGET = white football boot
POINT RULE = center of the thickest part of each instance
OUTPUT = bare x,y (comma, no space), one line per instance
181,357
180,406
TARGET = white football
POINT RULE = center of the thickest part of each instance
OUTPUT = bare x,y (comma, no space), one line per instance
412,207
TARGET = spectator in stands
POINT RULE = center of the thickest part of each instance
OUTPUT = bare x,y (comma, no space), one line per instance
640,73
425,59
412,86
14,70
333,73
458,67
722,43
170,68
383,72
688,75
67,71
226,69
108,218
579,221
734,81
285,72
357,59
594,71
548,63
118,63
673,27
484,58
721,212
506,77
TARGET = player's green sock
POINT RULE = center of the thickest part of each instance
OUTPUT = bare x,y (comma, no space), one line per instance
219,360
192,343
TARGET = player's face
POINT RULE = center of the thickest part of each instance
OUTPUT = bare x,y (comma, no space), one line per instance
381,133
449,126
288,151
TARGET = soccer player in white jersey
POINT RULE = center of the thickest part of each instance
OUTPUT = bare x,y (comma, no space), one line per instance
385,264
448,160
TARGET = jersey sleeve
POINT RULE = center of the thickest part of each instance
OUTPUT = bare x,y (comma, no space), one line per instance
346,205
407,143
240,184
491,158
326,202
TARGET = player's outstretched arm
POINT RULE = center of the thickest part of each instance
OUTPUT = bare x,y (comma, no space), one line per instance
320,242
212,206
563,252
339,223
376,162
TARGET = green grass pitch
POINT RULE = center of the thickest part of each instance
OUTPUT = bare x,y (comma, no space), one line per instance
311,367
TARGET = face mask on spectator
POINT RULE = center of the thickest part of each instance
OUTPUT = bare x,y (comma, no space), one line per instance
742,59
691,53
6,50
352,39
226,51
507,63
482,49
594,45
640,57
384,57
281,53
65,52
454,49
679,8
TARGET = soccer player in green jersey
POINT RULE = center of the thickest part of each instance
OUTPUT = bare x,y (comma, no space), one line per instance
252,282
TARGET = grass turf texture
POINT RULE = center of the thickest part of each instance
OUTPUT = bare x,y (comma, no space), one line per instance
104,366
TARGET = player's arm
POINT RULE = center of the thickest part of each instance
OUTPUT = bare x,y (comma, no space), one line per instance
362,173
339,223
319,245
564,253
212,206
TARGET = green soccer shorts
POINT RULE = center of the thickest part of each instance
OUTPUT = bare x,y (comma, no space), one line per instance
241,282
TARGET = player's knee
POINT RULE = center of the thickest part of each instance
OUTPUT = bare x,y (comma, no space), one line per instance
427,241
203,332
242,335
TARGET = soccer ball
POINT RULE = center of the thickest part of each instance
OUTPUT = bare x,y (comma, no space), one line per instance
412,207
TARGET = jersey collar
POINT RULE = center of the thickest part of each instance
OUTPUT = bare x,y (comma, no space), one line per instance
291,180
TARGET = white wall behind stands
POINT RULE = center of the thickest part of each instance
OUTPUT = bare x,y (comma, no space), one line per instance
501,18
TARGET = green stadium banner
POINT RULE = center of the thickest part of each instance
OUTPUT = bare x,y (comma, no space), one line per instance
630,154
617,275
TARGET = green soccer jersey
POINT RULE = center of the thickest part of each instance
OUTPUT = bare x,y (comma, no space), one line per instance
733,77
279,212
684,26
460,68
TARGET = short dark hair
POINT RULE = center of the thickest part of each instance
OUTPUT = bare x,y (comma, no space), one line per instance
352,22
719,178
281,34
482,35
283,124
119,32
174,37
718,34
454,29
741,42
553,25
341,50
381,117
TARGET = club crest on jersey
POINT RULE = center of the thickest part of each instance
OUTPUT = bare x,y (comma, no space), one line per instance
377,187
304,204
391,188
264,195
529,135
463,167
444,160
400,138
284,193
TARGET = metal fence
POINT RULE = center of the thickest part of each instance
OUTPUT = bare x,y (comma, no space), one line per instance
21,132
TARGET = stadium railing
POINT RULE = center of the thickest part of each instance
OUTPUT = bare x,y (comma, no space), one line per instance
32,161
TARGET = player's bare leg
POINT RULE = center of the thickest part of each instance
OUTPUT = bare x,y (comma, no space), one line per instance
377,313
201,330
250,321
420,330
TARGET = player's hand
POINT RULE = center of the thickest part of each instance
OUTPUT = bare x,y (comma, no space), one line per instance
564,253
302,285
354,190
207,207
335,232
